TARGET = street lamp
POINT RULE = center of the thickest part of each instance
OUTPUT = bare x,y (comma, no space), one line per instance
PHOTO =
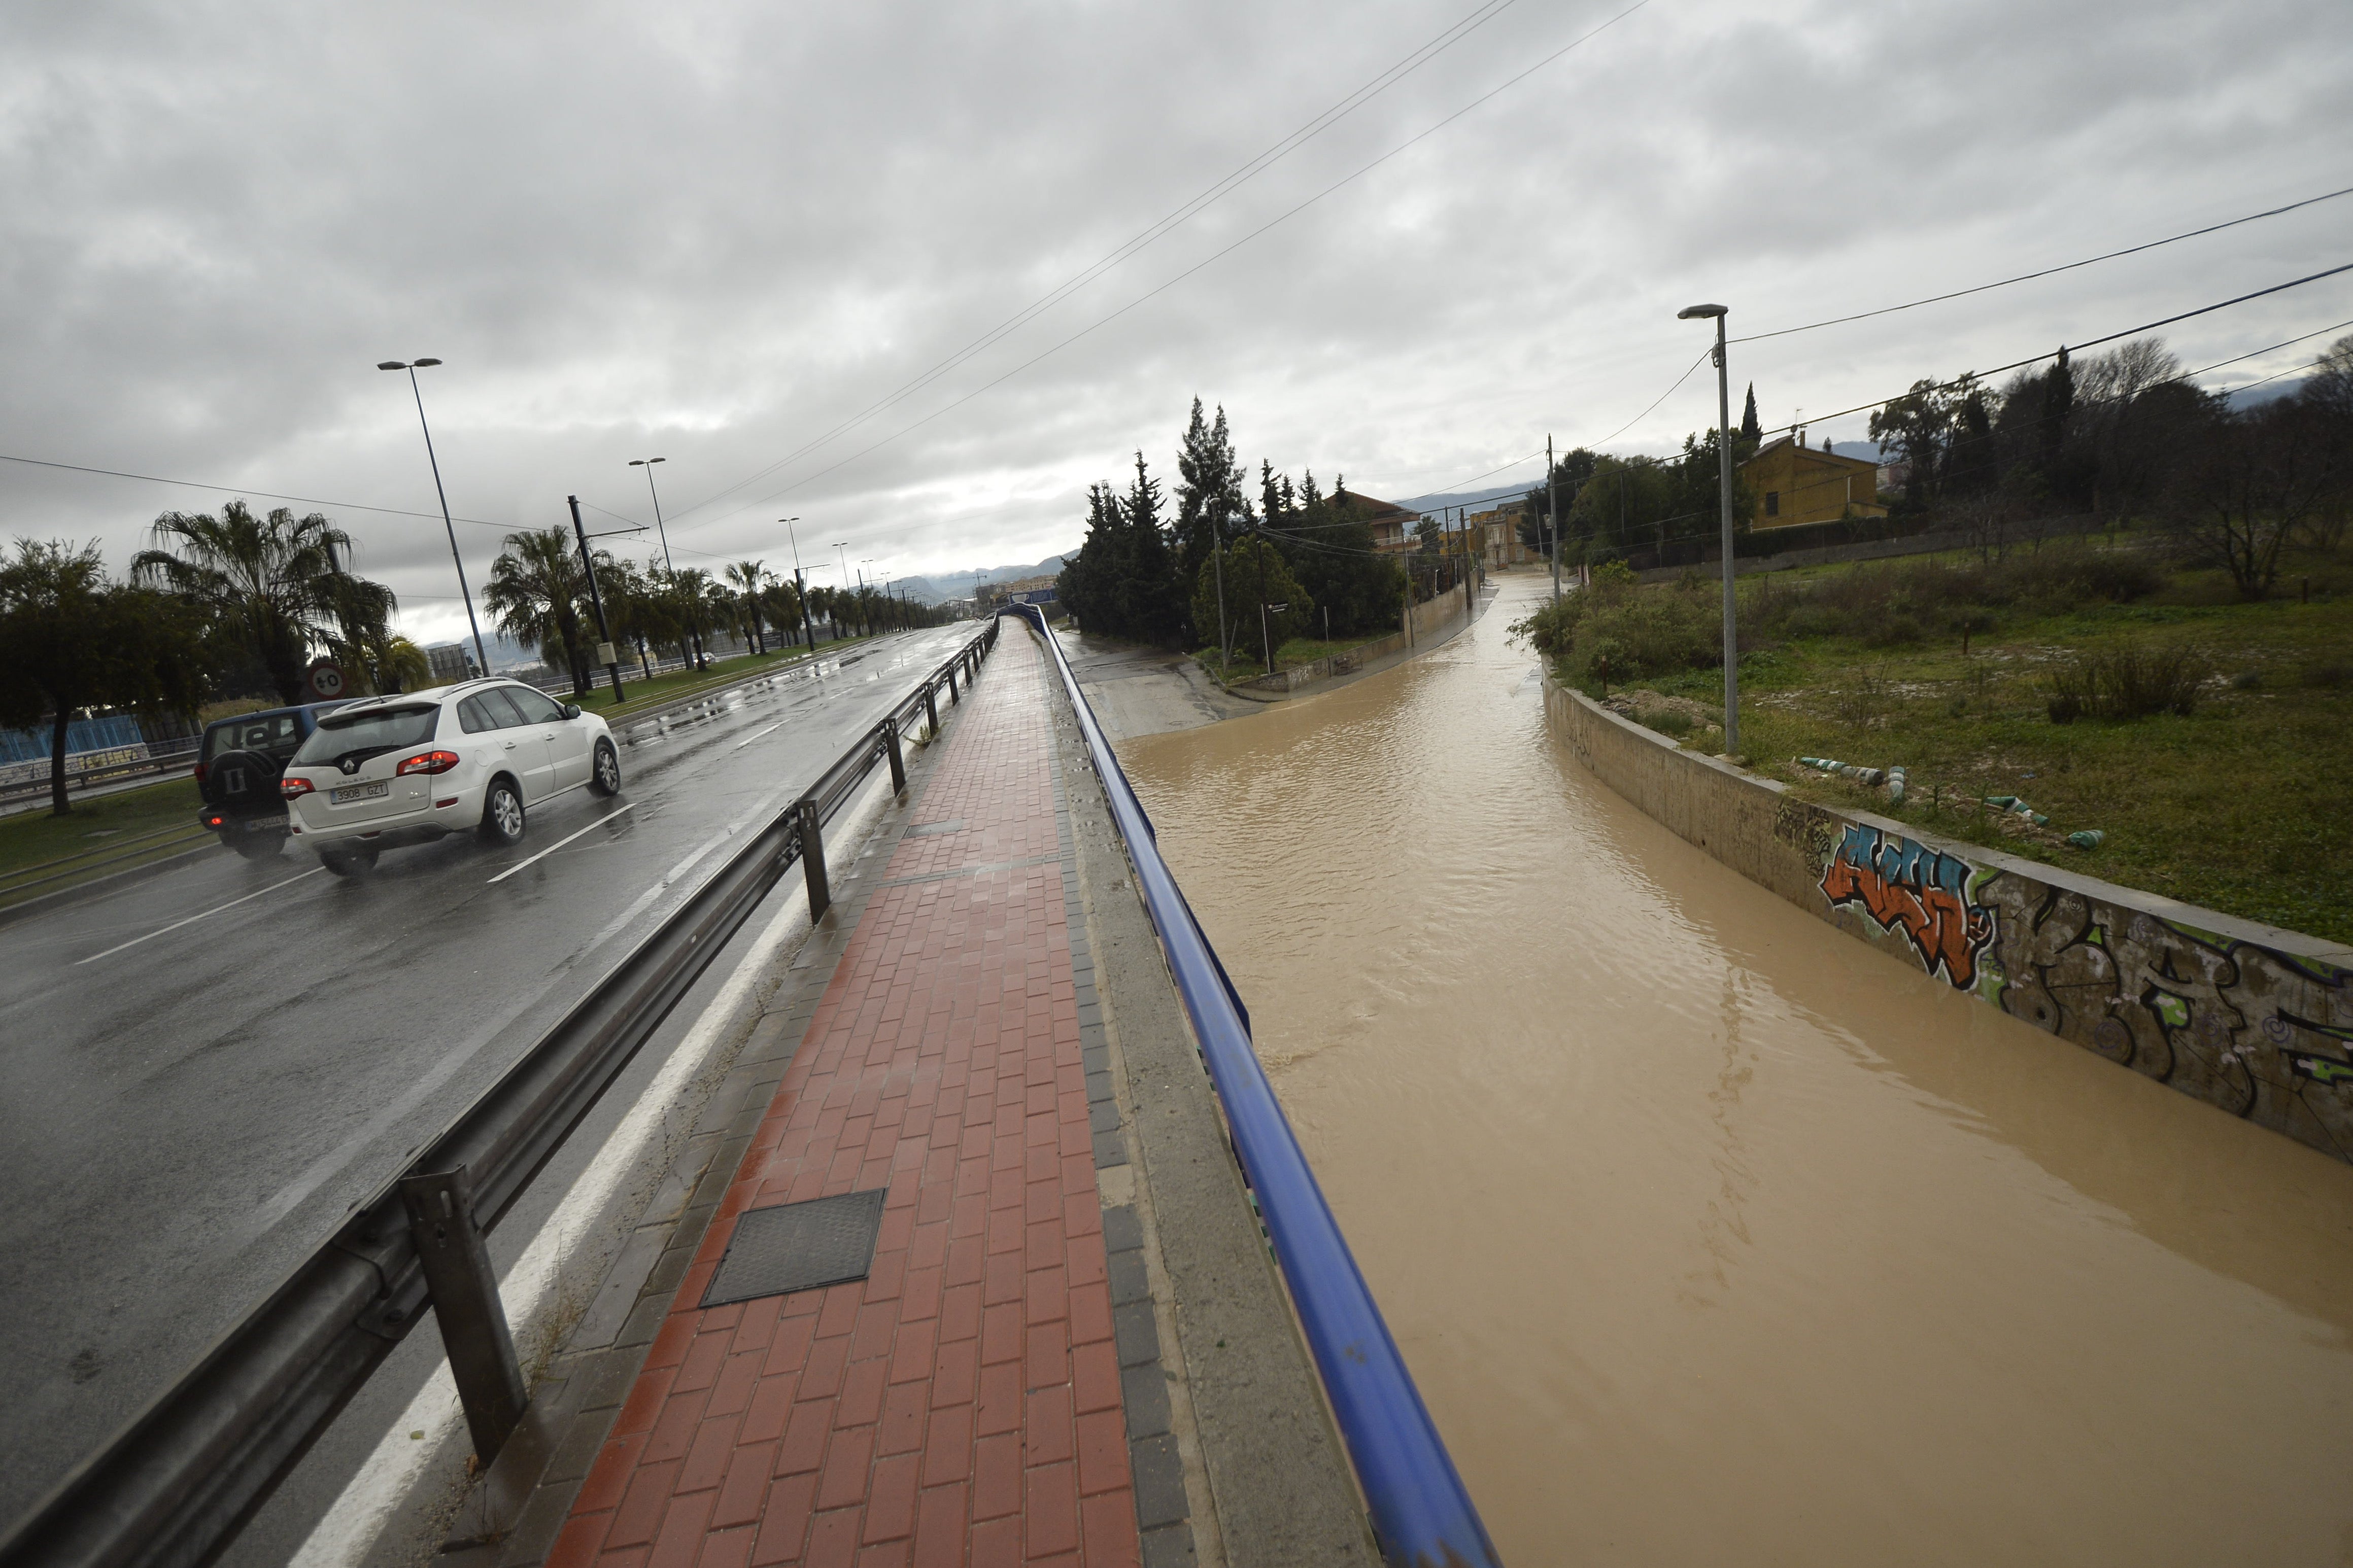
1724,475
668,564
412,367
800,587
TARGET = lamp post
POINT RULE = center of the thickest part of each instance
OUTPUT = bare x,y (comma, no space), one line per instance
412,366
1724,475
801,585
842,550
669,565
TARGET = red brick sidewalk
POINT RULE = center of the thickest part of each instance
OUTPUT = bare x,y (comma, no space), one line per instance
963,1403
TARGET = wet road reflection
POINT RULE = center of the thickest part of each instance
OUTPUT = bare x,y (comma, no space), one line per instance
1715,1236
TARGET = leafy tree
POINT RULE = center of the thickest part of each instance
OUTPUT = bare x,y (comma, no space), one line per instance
1431,534
1329,549
1211,506
2251,482
268,584
535,594
748,577
70,639
1570,472
1255,575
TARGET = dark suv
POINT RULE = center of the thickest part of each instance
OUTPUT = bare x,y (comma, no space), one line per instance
237,771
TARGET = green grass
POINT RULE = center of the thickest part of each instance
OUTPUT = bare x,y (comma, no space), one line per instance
30,840
2245,806
1246,665
642,694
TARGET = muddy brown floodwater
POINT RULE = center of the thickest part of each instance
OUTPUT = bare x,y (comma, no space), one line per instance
1714,1236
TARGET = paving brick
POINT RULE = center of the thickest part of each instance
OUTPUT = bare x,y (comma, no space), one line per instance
936,1412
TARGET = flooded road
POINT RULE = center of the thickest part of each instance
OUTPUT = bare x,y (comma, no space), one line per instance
1714,1236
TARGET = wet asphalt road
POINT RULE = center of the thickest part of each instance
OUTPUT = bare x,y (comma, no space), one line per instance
200,1074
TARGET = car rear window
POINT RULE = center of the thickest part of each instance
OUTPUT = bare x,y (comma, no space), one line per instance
372,729
272,733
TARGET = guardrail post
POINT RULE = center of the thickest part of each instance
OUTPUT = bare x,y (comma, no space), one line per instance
952,686
898,758
820,892
464,1295
930,712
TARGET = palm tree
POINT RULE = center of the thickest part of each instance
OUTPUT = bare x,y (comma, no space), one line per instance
268,582
535,597
781,603
747,576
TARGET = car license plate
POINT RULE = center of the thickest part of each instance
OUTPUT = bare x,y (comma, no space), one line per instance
265,824
350,792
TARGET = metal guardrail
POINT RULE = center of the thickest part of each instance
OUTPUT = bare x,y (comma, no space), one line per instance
175,1485
1421,1513
152,764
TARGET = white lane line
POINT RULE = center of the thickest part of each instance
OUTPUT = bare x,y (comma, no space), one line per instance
192,919
562,842
757,733
533,1290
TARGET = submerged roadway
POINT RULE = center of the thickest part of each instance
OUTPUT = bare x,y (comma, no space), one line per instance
204,1073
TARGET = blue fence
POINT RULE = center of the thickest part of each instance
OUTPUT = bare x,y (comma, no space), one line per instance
1420,1511
81,735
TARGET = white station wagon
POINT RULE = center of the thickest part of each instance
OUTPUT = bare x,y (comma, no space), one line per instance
389,771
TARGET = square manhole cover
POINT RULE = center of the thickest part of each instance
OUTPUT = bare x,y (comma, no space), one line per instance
926,829
798,1247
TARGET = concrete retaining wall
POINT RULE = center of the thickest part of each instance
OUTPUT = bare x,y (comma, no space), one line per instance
2256,1020
1415,626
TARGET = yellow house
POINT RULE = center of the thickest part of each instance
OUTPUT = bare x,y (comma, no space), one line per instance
1795,483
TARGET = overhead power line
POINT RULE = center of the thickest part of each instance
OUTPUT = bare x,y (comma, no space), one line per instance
241,490
2048,271
1249,170
1215,255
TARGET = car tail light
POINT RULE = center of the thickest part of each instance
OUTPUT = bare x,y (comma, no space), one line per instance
289,786
428,762
214,820
199,771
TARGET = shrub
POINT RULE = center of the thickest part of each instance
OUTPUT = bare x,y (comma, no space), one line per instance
1650,634
2127,683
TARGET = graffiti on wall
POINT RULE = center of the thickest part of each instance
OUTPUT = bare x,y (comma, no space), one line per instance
1904,885
2259,1033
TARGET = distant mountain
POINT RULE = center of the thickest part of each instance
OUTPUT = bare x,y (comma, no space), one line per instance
939,586
1465,498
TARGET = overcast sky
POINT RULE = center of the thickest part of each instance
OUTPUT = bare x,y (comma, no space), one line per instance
715,232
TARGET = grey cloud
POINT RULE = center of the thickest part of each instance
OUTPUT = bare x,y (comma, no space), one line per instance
713,231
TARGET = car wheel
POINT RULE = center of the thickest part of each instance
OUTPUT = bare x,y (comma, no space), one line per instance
346,861
258,846
503,820
605,777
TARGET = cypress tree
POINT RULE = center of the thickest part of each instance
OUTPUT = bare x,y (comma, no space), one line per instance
1749,427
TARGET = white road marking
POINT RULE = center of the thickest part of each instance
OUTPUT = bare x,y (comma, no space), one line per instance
192,919
757,733
390,1474
563,841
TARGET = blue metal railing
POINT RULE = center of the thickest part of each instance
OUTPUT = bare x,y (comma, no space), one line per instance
1420,1510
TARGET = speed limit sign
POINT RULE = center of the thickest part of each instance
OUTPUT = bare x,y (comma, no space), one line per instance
326,679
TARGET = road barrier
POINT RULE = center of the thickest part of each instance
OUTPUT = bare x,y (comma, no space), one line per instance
173,1488
1421,1513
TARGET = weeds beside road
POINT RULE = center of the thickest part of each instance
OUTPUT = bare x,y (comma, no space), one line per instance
2206,737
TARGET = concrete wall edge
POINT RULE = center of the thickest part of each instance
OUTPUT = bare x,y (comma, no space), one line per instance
2253,1019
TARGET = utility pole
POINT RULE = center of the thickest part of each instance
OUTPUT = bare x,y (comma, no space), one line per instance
1724,474
694,626
801,585
1552,515
604,633
1218,557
